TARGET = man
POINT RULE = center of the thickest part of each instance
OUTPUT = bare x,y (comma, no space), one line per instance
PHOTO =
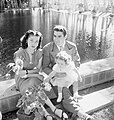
59,43
50,50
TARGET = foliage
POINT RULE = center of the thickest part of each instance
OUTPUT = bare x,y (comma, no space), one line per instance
87,46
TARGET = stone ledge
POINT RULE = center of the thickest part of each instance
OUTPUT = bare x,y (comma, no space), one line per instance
93,73
8,99
96,72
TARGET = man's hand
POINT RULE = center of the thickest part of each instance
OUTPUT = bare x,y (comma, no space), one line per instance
80,78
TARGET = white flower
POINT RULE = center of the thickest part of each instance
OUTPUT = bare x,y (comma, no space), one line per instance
7,76
19,62
28,93
47,86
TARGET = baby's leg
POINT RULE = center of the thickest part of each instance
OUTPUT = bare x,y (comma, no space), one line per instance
75,90
59,94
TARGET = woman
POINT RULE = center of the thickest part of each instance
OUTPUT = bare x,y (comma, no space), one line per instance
28,75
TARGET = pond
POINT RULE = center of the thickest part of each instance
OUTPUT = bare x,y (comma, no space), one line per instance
14,23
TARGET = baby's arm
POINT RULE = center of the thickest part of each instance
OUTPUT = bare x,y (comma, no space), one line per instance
50,76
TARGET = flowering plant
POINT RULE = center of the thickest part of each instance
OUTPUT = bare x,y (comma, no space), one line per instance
33,100
15,67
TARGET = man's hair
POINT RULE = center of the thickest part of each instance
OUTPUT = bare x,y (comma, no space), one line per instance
60,28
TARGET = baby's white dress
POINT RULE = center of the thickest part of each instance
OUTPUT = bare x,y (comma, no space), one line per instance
68,79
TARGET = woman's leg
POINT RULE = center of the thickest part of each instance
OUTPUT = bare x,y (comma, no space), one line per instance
59,94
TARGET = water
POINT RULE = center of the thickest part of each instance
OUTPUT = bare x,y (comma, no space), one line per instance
13,24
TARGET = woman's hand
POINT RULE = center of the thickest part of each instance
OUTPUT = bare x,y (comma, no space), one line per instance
41,77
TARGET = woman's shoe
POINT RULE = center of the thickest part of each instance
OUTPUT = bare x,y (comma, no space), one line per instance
60,113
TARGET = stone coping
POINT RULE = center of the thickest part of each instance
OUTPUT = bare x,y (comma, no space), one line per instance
97,66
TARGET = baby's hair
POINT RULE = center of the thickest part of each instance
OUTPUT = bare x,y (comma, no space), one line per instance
63,56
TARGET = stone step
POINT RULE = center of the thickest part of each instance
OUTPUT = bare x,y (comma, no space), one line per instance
8,96
97,100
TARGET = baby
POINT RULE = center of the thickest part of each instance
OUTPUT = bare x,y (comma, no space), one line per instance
64,64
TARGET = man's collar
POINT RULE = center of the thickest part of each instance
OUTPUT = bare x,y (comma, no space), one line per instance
61,46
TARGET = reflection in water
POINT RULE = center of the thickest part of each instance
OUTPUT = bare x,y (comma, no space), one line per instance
14,23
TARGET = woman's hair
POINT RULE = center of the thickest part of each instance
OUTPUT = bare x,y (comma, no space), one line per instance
63,56
24,38
60,28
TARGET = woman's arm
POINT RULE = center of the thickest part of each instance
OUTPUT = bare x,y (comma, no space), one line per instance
36,70
41,77
24,72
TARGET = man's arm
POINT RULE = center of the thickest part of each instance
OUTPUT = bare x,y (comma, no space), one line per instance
76,57
79,76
